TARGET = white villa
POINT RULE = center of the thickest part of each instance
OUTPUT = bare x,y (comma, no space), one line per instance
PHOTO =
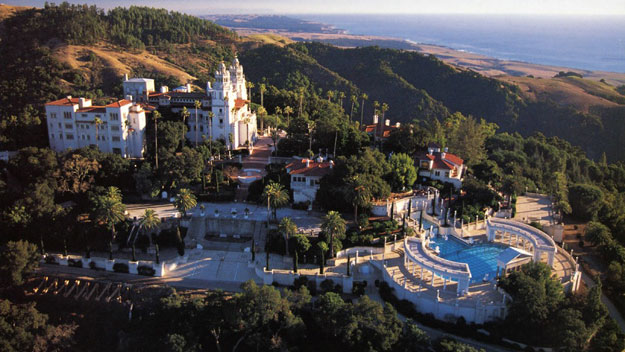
305,177
118,127
441,165
224,114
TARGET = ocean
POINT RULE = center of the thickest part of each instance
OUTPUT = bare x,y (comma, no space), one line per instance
595,43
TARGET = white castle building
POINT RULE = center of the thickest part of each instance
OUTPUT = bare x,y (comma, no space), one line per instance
118,127
224,111
224,114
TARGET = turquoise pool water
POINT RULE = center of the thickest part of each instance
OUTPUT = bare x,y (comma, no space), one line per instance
482,258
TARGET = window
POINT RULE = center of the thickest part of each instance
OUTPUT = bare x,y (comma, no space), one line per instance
68,126
87,126
221,121
201,128
59,125
52,136
60,136
117,151
312,183
447,174
67,115
437,173
115,138
69,136
84,115
88,137
114,116
53,115
114,128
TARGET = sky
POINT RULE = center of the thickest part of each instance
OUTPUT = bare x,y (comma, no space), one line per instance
199,7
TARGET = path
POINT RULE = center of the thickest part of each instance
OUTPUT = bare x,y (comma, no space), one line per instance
258,159
614,313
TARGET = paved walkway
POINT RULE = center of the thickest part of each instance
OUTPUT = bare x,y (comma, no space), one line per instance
258,159
534,208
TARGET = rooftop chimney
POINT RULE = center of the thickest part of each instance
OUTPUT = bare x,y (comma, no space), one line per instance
128,97
307,163
331,164
446,149
387,122
375,119
443,155
84,103
164,89
430,150
125,76
397,124
188,87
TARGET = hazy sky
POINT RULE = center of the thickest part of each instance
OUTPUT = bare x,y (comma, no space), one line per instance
549,7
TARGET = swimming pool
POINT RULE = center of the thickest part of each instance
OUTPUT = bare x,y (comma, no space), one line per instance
482,258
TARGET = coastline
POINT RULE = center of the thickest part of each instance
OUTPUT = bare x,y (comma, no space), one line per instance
486,65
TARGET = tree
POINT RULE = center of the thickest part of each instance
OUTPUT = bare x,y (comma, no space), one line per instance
333,227
363,97
184,201
156,116
403,173
288,111
211,115
341,98
358,193
288,229
197,104
585,200
302,244
249,85
78,173
412,338
149,222
354,100
97,121
598,234
323,248
262,88
18,260
20,326
109,210
276,197
184,114
262,114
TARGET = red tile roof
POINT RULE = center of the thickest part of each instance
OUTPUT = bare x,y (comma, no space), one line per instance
119,103
64,102
454,158
93,109
239,103
314,168
386,130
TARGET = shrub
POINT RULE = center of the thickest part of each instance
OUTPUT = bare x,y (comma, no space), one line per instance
93,266
120,267
301,205
146,270
299,282
358,288
312,288
76,263
327,285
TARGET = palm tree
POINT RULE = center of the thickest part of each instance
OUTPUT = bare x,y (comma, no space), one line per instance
359,195
330,95
288,229
276,197
197,105
210,131
288,111
261,112
341,98
311,128
262,88
109,210
98,122
185,114
354,100
149,222
156,115
249,86
334,227
275,135
384,109
323,248
246,120
301,99
184,201
363,97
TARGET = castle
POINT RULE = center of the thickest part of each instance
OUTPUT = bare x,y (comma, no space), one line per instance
224,113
